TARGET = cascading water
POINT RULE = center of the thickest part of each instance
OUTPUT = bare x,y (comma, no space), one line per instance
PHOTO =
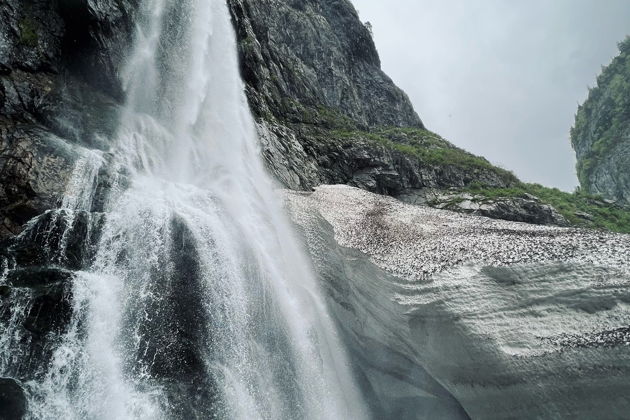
198,302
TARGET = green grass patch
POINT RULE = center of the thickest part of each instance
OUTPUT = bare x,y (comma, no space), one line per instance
604,216
28,33
427,147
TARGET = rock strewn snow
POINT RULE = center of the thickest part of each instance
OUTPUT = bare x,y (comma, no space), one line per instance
415,242
513,320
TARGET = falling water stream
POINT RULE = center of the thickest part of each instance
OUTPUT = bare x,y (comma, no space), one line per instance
199,302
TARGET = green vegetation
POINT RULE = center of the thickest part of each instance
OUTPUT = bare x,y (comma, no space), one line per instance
28,33
414,142
332,119
605,116
427,147
319,116
577,208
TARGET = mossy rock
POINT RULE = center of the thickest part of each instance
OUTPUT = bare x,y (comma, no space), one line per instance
579,208
28,33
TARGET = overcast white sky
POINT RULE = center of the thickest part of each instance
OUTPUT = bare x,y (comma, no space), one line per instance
501,78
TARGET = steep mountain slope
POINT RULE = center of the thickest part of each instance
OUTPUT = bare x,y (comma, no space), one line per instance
326,109
318,54
601,135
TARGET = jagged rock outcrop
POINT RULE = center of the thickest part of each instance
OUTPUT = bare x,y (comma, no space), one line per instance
36,299
59,91
512,320
312,63
601,135
393,162
527,209
301,54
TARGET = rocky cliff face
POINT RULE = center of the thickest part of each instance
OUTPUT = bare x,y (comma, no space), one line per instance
315,54
59,93
59,97
321,100
601,135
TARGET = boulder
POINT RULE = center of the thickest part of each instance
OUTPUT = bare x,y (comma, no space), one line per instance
527,209
13,402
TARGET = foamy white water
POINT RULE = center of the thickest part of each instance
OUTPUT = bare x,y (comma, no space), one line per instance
199,301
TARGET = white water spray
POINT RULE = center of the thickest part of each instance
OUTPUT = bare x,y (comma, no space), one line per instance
199,302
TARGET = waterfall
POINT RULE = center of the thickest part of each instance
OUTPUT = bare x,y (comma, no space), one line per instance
199,301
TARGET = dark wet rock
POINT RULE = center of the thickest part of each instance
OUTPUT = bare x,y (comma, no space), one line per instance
49,306
59,88
82,115
33,168
87,37
38,338
171,326
97,36
57,45
13,402
50,310
63,237
38,277
173,336
38,310
32,36
37,294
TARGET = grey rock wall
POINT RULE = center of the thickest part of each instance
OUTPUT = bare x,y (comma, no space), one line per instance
59,92
316,53
601,134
